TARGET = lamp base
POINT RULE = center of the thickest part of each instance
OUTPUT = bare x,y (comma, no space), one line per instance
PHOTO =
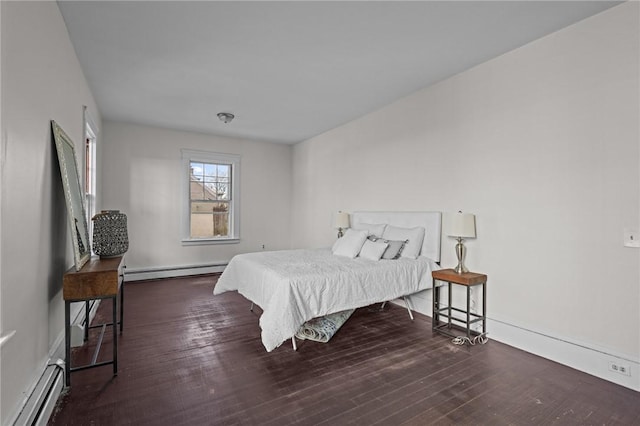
461,251
460,269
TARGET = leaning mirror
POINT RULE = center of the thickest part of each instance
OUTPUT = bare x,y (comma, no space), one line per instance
73,196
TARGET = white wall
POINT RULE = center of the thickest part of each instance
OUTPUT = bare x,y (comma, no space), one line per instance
142,175
542,144
41,81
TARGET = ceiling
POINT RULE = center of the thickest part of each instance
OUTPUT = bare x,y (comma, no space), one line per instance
288,70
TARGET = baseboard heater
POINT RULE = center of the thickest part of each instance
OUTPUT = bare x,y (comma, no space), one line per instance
139,274
44,397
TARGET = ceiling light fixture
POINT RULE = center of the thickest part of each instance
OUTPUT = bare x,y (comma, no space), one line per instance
226,117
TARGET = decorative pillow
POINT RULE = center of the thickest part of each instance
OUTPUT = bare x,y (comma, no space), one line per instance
373,228
415,236
393,250
373,250
350,244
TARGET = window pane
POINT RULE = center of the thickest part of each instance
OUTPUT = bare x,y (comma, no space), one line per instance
225,177
210,181
197,190
197,171
209,171
224,170
209,219
222,191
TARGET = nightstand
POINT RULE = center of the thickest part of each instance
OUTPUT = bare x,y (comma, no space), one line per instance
468,280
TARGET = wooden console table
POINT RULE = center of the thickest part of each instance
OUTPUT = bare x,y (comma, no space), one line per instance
98,279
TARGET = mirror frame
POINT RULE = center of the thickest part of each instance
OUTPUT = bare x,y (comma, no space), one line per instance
73,196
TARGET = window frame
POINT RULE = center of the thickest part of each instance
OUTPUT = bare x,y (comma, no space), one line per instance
90,169
189,155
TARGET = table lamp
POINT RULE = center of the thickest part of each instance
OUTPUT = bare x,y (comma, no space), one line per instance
341,222
462,225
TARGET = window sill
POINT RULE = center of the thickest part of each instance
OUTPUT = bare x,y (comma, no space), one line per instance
209,241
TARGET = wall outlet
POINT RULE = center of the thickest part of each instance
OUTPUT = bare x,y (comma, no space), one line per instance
631,238
620,368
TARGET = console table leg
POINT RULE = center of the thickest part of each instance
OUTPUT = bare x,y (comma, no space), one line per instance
67,344
435,306
121,306
484,307
450,298
86,321
468,313
115,335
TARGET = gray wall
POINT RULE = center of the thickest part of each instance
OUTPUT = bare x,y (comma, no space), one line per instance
41,81
144,177
542,144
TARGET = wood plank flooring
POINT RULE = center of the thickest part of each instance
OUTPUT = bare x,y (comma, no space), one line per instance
189,358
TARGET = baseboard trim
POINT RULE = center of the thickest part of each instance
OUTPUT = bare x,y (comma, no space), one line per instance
78,324
140,274
46,389
77,329
563,350
582,357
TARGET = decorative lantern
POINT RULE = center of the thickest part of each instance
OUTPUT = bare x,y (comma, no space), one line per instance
110,233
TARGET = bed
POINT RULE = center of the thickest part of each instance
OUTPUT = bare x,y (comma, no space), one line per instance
294,286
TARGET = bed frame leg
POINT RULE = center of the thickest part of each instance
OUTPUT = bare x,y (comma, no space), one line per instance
251,308
293,341
383,305
406,302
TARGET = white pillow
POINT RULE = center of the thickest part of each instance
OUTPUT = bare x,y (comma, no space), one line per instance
373,250
373,228
415,236
350,244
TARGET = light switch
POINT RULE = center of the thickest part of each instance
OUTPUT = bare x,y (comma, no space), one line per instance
631,238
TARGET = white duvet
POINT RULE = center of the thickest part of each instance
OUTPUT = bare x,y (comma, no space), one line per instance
293,286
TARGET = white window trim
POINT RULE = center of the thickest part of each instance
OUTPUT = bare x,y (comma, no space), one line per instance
90,132
189,155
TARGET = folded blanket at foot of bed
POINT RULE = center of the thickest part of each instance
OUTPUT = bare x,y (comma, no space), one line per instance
322,329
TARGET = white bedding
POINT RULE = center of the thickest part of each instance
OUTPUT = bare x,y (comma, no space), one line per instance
294,286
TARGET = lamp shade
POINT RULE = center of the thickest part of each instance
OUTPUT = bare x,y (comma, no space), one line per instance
341,220
462,225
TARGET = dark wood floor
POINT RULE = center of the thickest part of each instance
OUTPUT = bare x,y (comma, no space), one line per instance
189,358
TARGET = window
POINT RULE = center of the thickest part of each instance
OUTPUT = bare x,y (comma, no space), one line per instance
90,132
211,200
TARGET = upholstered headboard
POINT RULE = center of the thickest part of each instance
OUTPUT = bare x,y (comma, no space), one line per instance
430,221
